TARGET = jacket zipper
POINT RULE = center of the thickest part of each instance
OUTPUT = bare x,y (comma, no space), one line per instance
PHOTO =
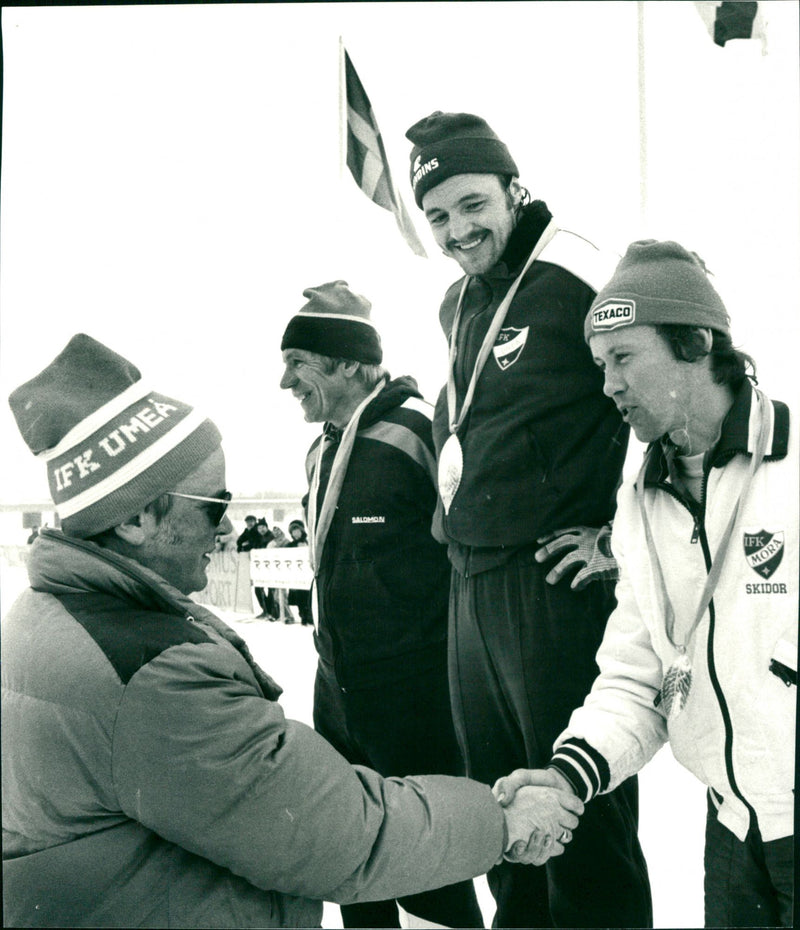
699,535
699,515
336,645
712,668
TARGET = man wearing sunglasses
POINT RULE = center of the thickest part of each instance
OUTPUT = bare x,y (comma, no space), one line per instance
149,775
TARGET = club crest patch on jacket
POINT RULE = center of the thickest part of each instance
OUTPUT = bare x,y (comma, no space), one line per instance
763,551
509,345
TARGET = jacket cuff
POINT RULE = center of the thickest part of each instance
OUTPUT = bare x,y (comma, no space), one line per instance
505,840
583,767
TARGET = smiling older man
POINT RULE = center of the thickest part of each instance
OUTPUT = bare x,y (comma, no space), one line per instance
149,775
381,694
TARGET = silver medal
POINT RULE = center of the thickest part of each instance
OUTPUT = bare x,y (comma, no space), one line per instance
451,464
676,686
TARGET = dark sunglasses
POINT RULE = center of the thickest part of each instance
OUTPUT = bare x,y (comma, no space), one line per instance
215,512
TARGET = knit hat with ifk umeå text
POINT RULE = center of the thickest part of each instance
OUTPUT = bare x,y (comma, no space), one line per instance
111,444
335,322
657,282
446,144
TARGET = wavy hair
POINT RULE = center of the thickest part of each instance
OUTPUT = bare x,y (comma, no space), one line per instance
729,365
366,375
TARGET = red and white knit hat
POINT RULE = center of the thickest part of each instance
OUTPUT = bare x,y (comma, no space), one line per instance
111,444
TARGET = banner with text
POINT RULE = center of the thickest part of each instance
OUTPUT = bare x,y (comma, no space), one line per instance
281,568
228,582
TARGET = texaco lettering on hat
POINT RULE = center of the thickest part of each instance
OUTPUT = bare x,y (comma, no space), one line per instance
613,313
657,283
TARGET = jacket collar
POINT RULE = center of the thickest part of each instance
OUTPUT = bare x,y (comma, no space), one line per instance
395,393
331,432
739,436
532,222
59,564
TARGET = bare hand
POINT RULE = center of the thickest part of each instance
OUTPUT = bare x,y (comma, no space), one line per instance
506,787
584,547
540,822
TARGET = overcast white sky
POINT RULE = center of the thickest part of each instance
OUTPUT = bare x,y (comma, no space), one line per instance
171,181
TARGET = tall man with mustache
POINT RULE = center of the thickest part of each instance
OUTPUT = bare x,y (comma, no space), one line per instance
527,445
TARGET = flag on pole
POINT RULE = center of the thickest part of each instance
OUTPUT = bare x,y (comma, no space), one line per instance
730,19
366,156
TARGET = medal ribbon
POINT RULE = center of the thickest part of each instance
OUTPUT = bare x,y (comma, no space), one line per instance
318,526
489,339
765,431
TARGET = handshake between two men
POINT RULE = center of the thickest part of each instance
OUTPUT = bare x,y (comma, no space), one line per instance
541,812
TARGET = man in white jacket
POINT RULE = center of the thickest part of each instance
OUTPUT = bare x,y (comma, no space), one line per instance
701,649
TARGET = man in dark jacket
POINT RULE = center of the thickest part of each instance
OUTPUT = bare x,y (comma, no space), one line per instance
149,775
527,445
381,580
248,539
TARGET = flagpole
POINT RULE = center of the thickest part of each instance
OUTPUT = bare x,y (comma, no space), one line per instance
642,120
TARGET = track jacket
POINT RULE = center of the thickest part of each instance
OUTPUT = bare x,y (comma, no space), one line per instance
383,581
543,448
150,778
737,730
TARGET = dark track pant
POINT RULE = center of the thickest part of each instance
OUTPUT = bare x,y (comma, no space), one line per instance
402,728
521,659
266,601
750,883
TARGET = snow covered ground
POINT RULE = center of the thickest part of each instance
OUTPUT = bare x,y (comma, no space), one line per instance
672,805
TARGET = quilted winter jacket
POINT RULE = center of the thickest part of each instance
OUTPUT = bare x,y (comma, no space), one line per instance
150,778
737,730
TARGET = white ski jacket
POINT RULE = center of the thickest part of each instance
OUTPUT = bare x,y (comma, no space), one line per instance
736,732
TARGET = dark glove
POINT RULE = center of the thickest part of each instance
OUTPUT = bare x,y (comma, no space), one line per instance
584,547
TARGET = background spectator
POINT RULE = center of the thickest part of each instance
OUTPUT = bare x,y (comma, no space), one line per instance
298,597
265,597
248,539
